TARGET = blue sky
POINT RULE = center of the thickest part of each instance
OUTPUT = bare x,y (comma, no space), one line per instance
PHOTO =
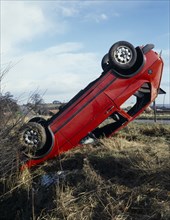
58,45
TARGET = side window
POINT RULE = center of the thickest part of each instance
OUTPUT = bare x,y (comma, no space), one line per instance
140,98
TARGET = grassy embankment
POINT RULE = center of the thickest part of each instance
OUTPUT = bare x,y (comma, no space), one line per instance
124,177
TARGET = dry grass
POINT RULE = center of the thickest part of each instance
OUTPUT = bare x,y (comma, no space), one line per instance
126,177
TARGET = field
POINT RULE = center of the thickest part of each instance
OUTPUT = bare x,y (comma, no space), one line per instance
126,177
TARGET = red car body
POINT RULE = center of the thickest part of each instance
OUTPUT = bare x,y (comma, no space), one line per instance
101,99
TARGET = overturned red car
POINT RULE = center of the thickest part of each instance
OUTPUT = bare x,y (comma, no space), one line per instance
127,71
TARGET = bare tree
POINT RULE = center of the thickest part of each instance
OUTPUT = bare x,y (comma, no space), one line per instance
9,120
3,71
37,103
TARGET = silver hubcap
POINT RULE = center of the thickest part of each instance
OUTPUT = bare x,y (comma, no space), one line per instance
31,138
123,55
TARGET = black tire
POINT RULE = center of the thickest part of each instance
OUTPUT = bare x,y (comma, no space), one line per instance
32,138
122,55
105,62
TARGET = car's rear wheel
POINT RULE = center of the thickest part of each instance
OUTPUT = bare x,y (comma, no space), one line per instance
105,62
122,55
32,138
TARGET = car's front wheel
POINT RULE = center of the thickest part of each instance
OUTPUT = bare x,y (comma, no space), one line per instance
122,55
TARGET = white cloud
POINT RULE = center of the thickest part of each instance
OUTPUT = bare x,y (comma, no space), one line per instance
96,17
62,70
67,11
103,16
22,22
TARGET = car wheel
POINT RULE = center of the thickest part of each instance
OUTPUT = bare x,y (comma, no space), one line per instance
32,138
105,62
122,55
